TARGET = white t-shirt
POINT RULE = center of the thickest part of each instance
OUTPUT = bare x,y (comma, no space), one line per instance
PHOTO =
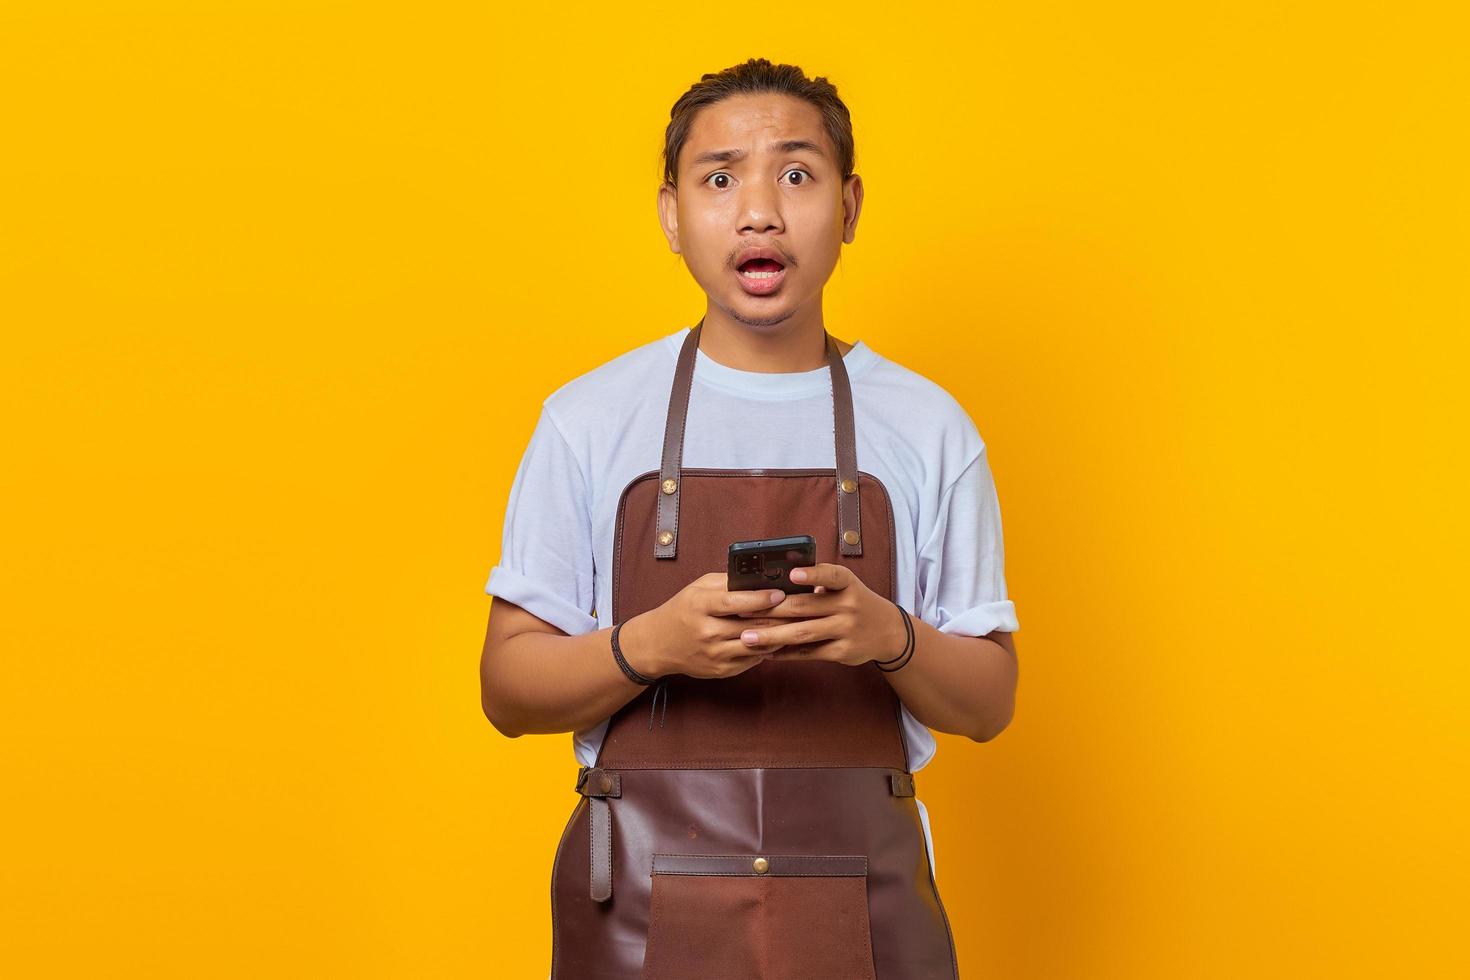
601,429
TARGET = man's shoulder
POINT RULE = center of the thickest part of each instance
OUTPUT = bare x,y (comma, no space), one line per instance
614,386
919,404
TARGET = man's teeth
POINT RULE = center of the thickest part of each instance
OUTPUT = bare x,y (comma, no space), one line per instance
762,275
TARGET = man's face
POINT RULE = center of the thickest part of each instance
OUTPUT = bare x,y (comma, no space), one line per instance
758,171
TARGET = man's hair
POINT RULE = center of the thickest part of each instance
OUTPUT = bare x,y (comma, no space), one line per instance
748,78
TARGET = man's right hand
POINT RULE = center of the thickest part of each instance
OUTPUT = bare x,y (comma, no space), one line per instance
697,631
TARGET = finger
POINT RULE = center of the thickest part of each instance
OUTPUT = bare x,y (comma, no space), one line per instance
736,652
727,629
803,605
744,600
777,613
815,650
826,574
790,634
803,651
749,621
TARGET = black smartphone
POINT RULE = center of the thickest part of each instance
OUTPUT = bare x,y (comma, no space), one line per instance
765,564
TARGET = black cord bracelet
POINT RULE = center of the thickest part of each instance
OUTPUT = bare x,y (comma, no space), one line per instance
908,637
633,675
908,647
907,656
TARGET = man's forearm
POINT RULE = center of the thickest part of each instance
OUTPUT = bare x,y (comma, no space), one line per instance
545,683
964,685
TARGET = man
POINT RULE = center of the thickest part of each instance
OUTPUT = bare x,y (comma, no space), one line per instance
778,710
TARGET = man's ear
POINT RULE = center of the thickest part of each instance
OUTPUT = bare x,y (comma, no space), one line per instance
668,213
852,206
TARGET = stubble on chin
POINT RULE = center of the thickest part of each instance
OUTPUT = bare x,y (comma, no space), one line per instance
768,320
762,321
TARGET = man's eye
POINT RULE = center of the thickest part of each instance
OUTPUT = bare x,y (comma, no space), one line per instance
722,176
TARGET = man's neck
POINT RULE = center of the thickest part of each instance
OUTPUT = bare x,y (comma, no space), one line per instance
795,344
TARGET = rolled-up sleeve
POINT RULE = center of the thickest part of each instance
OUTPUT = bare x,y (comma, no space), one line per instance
546,560
961,567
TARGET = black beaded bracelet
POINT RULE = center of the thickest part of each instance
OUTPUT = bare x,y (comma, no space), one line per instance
633,675
908,647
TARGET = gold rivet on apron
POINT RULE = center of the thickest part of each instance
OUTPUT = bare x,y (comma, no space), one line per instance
848,486
605,784
761,865
851,537
670,485
664,537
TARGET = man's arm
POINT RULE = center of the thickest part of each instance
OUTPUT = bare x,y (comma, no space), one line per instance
964,685
952,681
535,679
962,678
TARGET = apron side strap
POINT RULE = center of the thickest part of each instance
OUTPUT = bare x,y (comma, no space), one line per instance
601,825
597,785
901,783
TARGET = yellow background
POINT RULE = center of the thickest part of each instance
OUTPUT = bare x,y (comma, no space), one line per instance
283,286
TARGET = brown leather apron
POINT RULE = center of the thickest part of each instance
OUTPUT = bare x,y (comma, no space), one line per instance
761,826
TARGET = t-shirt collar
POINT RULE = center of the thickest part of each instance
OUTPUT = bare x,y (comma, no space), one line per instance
770,385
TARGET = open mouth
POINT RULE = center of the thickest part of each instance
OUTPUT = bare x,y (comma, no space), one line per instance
760,276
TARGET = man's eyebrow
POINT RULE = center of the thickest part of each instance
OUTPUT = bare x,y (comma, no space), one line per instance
780,146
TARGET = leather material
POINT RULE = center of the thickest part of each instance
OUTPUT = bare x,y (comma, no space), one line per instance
844,430
757,812
844,433
599,783
772,927
784,712
801,763
666,542
821,865
599,838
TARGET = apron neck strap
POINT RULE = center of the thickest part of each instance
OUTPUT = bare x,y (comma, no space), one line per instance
844,430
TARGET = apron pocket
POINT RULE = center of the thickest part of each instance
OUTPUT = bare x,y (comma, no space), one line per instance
759,917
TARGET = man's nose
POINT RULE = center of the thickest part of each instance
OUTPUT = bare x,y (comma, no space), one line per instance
760,207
